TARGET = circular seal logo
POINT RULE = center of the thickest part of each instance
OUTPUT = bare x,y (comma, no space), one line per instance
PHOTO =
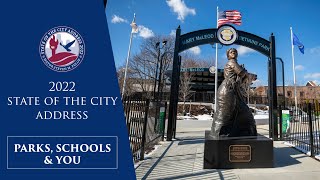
227,34
62,49
212,69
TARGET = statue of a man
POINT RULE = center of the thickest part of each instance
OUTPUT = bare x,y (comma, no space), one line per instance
233,117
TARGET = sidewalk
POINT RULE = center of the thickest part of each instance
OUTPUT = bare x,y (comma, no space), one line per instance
183,159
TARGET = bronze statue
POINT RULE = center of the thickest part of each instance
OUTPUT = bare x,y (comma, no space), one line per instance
233,117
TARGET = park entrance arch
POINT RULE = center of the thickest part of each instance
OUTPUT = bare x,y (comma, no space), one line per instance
225,35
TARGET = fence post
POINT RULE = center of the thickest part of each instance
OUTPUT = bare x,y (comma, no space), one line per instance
280,123
144,132
156,105
311,130
127,107
164,121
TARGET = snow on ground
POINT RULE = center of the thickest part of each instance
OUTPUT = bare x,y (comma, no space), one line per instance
207,117
204,117
261,116
259,112
186,118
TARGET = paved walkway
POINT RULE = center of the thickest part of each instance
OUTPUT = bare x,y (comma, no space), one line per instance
183,159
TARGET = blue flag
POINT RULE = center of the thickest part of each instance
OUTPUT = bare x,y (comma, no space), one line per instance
298,43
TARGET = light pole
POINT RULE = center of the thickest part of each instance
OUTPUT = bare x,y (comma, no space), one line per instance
160,71
158,46
156,76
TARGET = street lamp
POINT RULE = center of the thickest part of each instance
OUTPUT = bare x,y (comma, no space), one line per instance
160,73
159,47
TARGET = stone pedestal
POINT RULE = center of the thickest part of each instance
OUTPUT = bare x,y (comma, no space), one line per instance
237,152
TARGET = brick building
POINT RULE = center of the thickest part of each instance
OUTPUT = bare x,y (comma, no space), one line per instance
308,92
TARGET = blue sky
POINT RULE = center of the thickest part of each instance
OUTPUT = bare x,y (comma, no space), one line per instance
161,17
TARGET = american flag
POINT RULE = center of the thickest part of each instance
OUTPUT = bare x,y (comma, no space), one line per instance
229,16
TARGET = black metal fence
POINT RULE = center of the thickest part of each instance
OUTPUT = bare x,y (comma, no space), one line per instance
303,131
145,122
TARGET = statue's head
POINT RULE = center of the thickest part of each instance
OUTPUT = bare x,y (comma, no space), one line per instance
232,53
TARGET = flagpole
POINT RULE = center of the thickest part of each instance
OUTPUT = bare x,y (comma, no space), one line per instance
128,56
216,73
294,72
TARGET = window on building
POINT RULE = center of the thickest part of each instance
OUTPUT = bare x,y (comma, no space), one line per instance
260,92
289,93
302,94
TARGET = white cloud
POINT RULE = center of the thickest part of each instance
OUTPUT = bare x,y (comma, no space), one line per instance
299,68
117,19
180,8
173,33
259,82
312,76
256,83
242,50
195,50
316,81
145,32
315,50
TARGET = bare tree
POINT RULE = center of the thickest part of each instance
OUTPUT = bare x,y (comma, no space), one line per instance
129,83
144,63
185,87
189,61
186,78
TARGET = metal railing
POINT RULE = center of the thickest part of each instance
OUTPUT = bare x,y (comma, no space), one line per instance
145,122
304,128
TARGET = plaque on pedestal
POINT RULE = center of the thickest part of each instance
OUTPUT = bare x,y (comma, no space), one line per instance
237,152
